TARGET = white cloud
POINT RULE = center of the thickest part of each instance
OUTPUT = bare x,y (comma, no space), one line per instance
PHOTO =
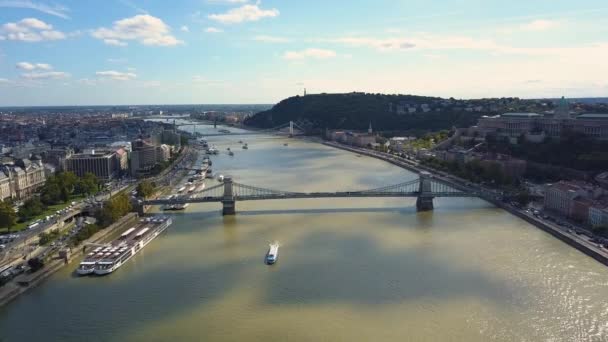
30,30
115,42
116,75
433,43
33,66
144,28
244,13
45,75
56,10
213,30
309,53
4,81
271,39
539,25
382,44
184,28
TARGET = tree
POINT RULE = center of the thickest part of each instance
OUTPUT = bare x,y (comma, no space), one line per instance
51,192
88,184
8,217
184,140
46,238
523,198
67,181
83,234
31,208
145,189
113,209
35,264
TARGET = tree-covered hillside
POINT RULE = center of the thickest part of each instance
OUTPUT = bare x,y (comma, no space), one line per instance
356,110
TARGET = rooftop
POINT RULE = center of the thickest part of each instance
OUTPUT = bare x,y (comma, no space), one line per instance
522,115
564,186
592,116
96,155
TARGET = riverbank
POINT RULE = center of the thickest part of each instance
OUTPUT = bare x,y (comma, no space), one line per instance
25,282
572,239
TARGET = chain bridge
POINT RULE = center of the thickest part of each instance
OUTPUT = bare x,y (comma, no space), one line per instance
425,188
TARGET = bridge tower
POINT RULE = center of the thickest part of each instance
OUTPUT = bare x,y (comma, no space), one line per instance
290,128
425,196
228,202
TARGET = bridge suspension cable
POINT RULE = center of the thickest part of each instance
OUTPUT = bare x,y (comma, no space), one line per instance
405,187
242,190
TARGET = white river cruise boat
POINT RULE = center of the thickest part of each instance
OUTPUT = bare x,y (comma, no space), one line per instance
107,259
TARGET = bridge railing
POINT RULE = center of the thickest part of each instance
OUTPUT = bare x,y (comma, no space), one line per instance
409,187
243,191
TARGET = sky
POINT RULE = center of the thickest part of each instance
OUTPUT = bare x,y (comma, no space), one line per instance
128,52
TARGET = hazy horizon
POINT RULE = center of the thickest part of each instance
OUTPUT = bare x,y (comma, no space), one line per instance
253,104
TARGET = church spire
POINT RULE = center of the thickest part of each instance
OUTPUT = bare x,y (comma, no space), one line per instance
369,130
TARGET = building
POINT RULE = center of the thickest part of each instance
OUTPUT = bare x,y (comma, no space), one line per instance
163,153
5,187
25,178
143,157
58,156
573,199
172,138
602,179
397,143
351,138
579,210
535,127
122,160
362,140
49,170
598,215
102,165
559,197
26,150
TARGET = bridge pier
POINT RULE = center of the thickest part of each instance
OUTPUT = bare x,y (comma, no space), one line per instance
425,197
424,204
228,207
228,201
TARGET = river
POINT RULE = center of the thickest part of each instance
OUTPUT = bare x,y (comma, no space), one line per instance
349,269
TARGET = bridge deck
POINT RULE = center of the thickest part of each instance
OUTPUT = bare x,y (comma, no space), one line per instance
211,199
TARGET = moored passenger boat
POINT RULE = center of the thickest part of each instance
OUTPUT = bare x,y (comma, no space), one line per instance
108,258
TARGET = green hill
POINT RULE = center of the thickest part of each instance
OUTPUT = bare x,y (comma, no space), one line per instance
356,110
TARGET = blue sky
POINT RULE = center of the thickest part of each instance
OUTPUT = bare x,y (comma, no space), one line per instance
74,52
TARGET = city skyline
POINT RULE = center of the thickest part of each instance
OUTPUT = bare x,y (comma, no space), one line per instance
239,51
